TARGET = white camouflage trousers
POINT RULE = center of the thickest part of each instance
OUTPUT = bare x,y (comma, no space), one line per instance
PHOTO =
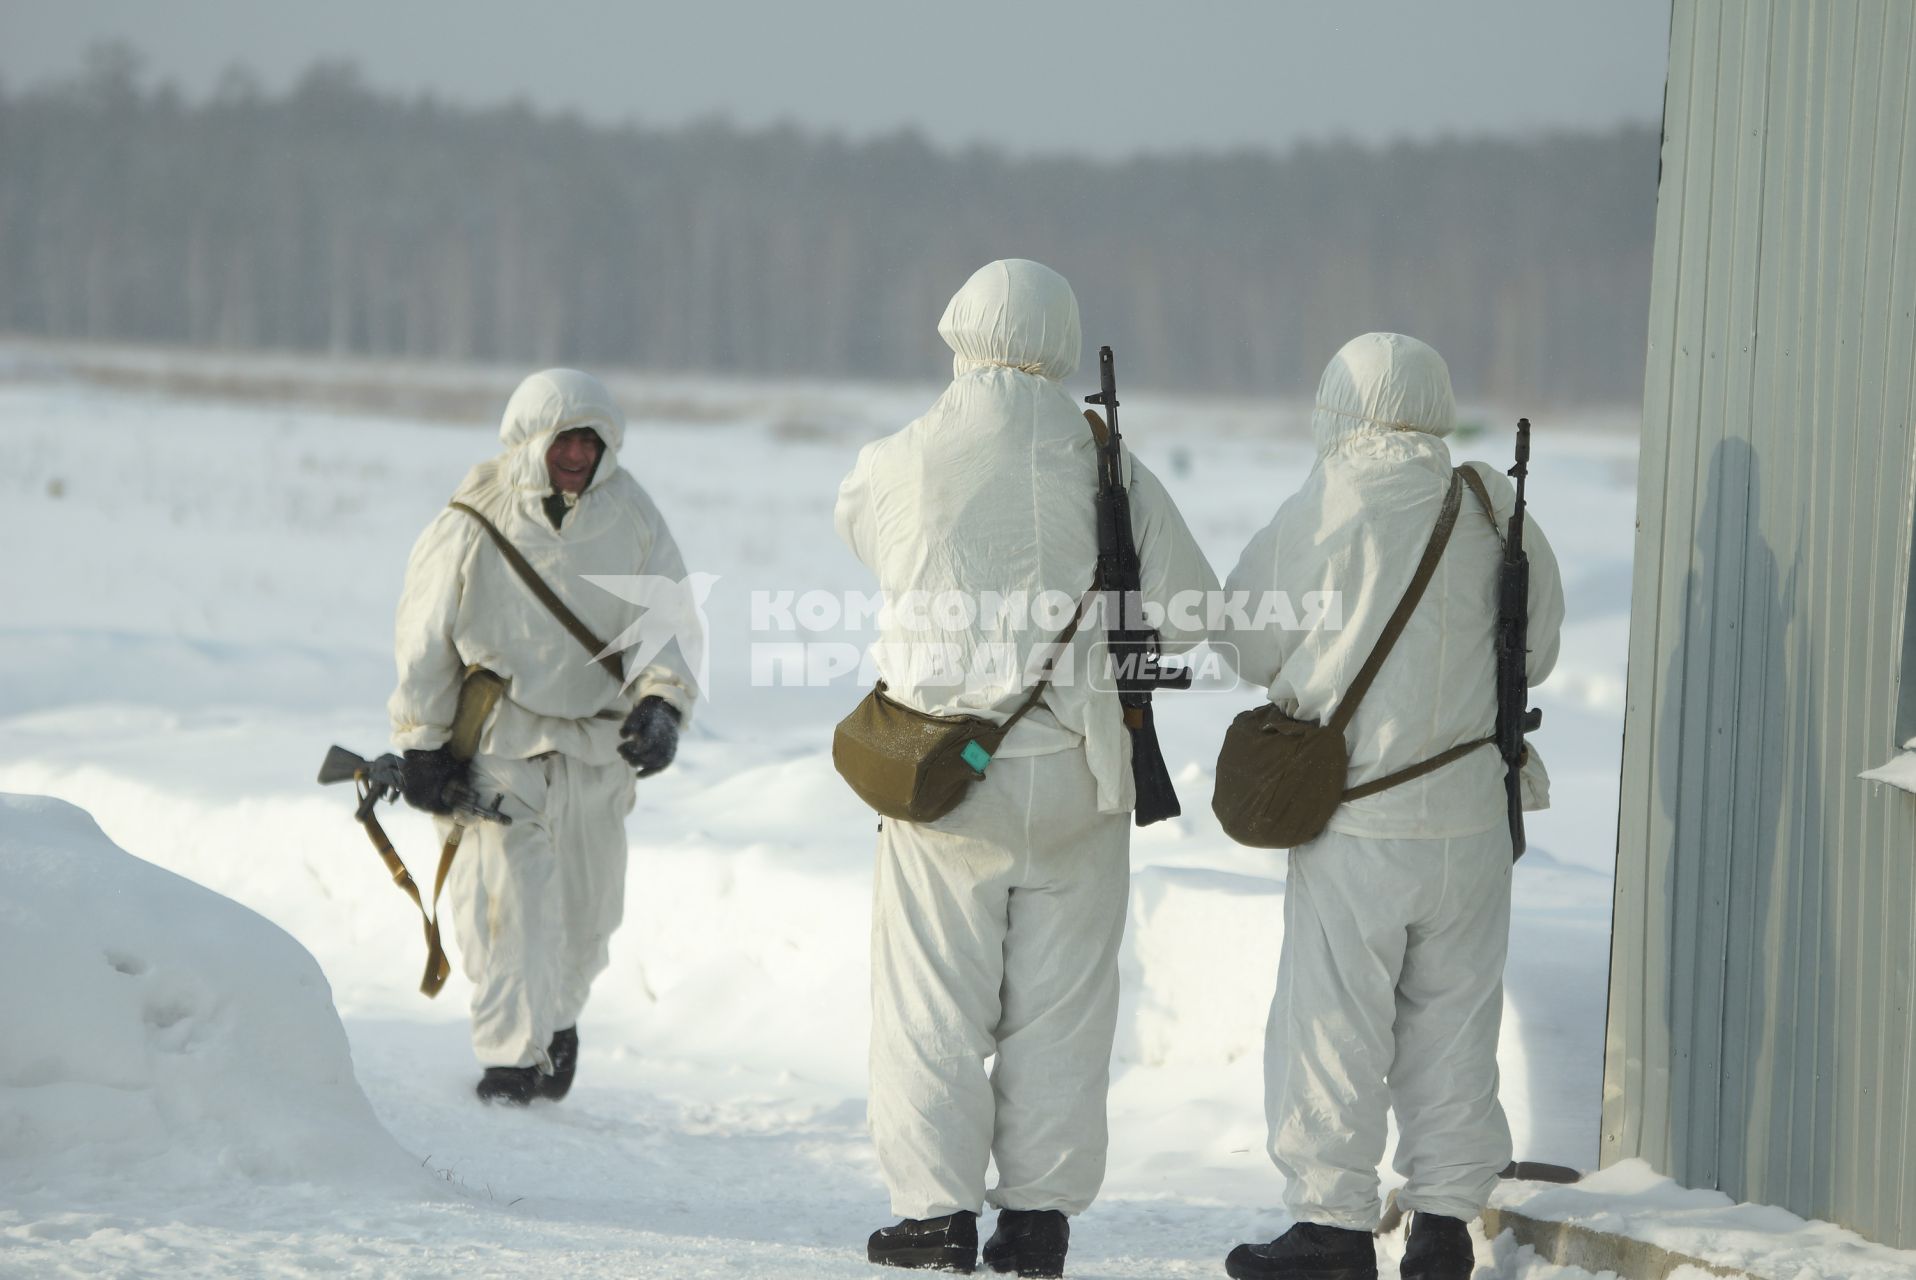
995,931
1389,995
534,904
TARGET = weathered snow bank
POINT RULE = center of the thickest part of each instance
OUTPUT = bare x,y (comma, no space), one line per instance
158,1034
1631,1220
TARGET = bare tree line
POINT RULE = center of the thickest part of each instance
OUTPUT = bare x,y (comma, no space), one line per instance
336,218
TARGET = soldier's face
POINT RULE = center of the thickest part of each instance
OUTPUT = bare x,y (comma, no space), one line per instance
572,457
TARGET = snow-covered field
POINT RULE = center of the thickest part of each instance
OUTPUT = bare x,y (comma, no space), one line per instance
195,601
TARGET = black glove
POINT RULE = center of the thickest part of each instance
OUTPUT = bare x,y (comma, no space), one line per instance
651,735
428,775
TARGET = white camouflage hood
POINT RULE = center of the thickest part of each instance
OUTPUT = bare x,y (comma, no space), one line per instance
547,403
1379,386
1017,314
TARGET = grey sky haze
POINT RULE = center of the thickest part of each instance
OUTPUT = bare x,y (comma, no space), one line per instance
1109,78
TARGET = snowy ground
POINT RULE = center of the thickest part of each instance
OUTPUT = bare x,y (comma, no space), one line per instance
195,600
1628,1199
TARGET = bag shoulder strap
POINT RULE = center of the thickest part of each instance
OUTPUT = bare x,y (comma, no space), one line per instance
1051,663
548,597
1417,770
1426,569
1475,483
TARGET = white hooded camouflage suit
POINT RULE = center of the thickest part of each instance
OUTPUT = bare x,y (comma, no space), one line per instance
534,904
1396,919
996,928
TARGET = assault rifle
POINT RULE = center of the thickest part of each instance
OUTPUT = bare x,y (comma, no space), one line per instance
1132,645
380,779
383,778
1513,618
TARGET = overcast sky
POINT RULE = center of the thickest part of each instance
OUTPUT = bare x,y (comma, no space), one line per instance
1110,77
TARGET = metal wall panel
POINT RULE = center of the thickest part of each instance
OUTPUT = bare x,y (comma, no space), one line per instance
1763,971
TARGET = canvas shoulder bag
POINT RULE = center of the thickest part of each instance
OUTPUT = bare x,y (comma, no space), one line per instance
1279,778
916,767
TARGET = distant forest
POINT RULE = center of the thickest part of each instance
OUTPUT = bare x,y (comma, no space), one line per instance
337,218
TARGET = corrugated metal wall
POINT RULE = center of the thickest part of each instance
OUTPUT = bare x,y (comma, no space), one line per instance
1763,976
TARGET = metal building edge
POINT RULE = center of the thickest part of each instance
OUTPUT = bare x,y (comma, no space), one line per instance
1762,1010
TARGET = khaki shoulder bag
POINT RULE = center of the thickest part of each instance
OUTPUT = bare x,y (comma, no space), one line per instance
1279,779
916,767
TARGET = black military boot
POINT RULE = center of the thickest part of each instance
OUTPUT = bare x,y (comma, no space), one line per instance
1439,1249
564,1052
1307,1251
513,1086
1029,1241
949,1243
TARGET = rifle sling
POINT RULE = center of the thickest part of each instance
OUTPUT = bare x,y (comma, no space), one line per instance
437,967
549,598
1476,483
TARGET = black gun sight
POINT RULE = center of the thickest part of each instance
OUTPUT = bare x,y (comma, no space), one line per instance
1107,393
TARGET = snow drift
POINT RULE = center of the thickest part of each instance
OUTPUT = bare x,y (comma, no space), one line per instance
158,1033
